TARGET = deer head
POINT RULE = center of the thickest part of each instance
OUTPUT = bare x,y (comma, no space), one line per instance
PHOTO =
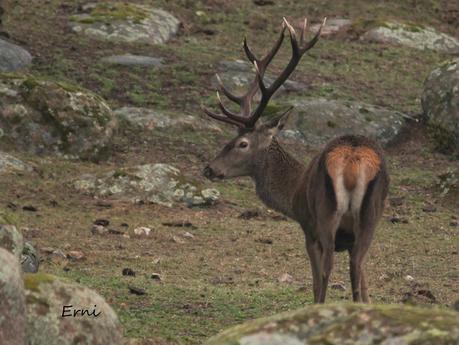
240,156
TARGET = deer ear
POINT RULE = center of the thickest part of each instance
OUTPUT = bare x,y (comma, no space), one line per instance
276,125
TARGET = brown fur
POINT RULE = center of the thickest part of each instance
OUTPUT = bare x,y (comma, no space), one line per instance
349,160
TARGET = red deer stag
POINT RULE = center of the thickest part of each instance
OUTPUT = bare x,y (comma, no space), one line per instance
337,199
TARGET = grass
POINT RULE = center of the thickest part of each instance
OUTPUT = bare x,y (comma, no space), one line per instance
226,274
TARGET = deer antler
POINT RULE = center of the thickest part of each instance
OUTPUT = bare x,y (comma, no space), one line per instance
247,118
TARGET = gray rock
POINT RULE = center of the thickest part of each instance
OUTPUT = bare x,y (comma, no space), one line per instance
143,118
440,102
12,301
125,22
8,163
134,60
46,297
29,259
333,26
42,116
319,120
11,239
156,183
347,324
419,37
237,75
13,57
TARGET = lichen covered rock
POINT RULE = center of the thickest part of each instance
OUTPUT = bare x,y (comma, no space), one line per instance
48,322
12,301
12,57
143,118
318,120
42,116
9,163
414,36
125,22
156,183
346,325
11,239
440,102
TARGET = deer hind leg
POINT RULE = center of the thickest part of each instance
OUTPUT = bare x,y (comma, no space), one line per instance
314,254
364,287
327,232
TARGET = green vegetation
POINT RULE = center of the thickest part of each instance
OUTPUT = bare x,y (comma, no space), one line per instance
107,12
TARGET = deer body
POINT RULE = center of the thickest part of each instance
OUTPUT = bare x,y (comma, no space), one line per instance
338,198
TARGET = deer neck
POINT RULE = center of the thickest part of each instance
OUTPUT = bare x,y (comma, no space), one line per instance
277,176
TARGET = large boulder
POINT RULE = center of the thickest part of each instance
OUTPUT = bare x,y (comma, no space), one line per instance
12,301
125,22
348,324
318,120
42,116
13,57
147,119
413,36
238,74
51,318
11,239
156,183
440,102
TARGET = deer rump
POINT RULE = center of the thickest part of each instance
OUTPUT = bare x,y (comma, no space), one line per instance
354,175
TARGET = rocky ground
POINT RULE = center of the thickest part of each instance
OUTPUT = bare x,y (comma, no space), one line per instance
102,144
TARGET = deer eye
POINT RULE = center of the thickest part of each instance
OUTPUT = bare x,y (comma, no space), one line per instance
243,144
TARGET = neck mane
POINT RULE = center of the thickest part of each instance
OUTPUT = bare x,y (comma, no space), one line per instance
276,178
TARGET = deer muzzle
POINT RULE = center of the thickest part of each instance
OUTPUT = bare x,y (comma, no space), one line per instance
211,174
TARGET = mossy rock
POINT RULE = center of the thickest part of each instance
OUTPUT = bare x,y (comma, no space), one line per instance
440,103
43,116
408,34
160,183
125,22
348,324
11,239
12,301
49,324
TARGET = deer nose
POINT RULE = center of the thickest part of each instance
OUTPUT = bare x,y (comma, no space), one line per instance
211,174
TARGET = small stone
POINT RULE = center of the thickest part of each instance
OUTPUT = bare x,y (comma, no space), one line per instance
249,214
453,223
137,291
188,235
142,231
409,278
338,286
156,276
128,272
177,240
429,208
99,230
285,278
103,222
76,255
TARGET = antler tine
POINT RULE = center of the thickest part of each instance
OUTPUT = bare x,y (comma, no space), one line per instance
221,118
314,40
303,32
297,53
228,113
227,93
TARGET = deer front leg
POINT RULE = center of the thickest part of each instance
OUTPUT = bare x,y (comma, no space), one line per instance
314,254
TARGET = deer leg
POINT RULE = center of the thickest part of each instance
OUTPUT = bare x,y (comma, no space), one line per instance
314,259
364,288
327,232
363,237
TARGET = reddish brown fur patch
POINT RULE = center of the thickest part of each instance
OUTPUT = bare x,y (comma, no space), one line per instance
349,160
